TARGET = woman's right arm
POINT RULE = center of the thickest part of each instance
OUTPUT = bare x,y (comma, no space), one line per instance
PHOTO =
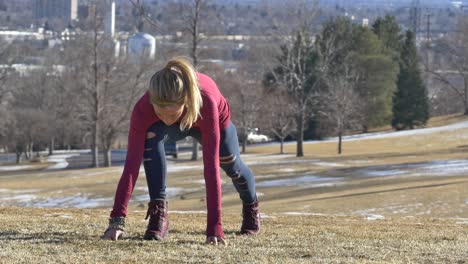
135,148
136,144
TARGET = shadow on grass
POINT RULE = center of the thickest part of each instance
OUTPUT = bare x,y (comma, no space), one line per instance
384,191
43,237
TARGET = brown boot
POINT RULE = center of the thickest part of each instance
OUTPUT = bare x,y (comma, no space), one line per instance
250,218
158,224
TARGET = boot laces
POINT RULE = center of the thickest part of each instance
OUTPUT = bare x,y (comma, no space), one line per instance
250,216
156,216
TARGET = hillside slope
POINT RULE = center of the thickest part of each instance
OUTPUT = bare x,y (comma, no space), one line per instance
71,236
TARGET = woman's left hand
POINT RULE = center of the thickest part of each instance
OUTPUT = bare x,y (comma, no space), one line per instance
216,240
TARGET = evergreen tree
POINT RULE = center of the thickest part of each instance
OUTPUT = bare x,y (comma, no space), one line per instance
378,73
410,103
377,70
389,32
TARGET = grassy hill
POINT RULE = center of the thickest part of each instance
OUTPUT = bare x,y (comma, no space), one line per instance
385,200
71,236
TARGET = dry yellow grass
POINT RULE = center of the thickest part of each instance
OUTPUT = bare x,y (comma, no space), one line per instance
420,218
71,236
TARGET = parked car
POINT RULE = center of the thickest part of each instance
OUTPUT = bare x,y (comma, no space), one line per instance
254,137
171,149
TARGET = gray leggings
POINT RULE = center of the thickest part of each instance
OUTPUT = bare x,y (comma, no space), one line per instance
229,156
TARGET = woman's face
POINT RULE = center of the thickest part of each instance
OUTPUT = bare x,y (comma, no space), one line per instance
170,113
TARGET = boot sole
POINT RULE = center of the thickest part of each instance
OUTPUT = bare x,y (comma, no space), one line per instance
249,232
155,237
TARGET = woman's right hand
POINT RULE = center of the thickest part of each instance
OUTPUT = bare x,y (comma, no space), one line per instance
115,229
212,240
112,234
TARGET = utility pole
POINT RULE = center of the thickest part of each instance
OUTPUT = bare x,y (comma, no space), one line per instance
428,36
415,16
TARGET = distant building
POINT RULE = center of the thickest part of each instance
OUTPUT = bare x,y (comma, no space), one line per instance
457,4
46,9
365,22
83,12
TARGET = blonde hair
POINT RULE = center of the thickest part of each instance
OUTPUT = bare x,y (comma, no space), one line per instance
177,83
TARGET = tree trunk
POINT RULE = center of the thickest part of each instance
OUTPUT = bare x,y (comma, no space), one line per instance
244,143
51,146
95,160
96,98
339,142
31,147
281,145
26,151
94,148
194,149
466,98
107,156
300,134
18,152
18,157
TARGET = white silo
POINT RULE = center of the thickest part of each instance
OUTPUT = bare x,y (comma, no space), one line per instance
141,46
110,18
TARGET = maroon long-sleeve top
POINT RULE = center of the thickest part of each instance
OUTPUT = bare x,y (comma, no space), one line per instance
215,116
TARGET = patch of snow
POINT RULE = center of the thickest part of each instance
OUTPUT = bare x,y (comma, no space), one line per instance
304,181
178,168
267,157
328,164
76,201
385,172
373,217
187,212
58,215
445,167
18,191
15,168
60,161
277,162
21,198
421,131
8,196
199,181
170,192
264,216
57,151
303,214
432,168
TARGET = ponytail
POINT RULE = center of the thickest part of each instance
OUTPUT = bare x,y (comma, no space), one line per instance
178,82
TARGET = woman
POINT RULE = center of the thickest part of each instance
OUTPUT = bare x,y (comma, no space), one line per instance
181,103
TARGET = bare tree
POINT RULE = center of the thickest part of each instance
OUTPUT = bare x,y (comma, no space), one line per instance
8,55
244,95
143,13
26,130
341,100
280,115
123,85
192,19
455,75
296,69
86,60
295,74
193,27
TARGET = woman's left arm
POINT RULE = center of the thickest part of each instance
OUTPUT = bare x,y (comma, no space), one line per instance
211,140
